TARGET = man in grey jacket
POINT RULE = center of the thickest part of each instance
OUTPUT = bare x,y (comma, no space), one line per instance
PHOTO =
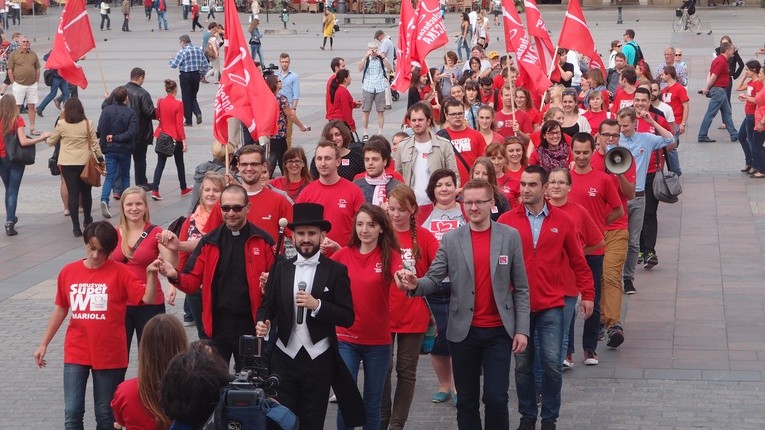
424,153
489,309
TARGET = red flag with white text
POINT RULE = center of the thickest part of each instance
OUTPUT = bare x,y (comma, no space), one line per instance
243,93
430,32
73,39
575,35
526,55
538,31
402,77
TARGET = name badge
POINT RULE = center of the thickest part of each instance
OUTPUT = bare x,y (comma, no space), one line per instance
503,260
346,162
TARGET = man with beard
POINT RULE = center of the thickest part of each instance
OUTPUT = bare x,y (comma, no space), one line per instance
267,207
306,297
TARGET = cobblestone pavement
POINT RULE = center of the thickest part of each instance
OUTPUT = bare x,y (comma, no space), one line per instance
695,350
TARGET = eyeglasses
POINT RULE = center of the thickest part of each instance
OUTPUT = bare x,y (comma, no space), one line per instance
610,135
476,203
552,133
235,208
456,114
246,165
294,161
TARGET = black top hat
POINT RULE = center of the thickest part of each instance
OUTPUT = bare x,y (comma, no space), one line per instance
309,214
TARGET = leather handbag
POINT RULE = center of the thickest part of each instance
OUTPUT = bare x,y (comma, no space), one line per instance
53,161
17,154
165,144
94,169
666,184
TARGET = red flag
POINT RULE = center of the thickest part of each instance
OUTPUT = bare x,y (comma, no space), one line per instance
526,55
243,93
575,35
430,33
538,30
403,75
73,40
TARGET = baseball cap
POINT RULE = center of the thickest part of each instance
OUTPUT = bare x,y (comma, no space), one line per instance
493,54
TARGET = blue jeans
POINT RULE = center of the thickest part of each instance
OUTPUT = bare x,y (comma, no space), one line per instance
718,102
462,43
376,359
548,327
569,317
114,161
758,152
57,84
105,382
592,324
256,50
484,351
186,11
11,175
745,139
161,17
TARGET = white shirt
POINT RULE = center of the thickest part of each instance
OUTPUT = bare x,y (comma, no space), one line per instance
573,58
421,171
669,115
300,338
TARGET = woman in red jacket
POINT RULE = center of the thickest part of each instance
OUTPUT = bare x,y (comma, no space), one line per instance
170,117
342,101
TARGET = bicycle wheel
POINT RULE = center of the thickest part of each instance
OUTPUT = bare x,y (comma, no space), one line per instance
677,25
694,23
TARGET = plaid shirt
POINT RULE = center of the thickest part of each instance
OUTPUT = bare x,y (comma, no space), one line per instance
375,80
190,59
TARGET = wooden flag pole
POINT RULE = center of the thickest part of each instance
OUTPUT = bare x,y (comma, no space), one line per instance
101,70
549,72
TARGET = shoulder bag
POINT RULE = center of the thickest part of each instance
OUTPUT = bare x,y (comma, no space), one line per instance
53,161
165,144
137,243
17,154
93,170
666,184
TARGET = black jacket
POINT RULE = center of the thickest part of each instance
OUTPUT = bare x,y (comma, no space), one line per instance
141,103
119,121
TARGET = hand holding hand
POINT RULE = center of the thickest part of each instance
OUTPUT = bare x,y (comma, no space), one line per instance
169,240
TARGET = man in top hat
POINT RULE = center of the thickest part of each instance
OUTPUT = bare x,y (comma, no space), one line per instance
306,297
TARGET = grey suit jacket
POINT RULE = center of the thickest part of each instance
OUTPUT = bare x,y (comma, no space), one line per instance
508,275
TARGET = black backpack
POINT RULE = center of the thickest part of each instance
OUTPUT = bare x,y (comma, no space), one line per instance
638,53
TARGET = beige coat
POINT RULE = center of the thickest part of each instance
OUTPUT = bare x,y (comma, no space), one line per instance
75,147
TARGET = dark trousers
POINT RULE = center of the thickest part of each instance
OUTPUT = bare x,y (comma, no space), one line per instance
226,332
592,324
650,219
78,192
105,19
304,387
179,165
139,161
189,89
195,23
277,148
136,318
125,22
195,306
484,351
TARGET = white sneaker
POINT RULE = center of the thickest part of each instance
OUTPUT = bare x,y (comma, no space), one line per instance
105,210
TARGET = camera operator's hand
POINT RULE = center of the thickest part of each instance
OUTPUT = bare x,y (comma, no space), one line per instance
305,300
262,328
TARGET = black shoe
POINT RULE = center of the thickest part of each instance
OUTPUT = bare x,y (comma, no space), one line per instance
187,124
650,260
548,425
199,119
629,288
615,337
39,113
706,140
527,424
10,230
77,232
88,221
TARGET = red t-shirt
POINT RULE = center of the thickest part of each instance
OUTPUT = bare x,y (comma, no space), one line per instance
534,115
587,234
471,145
493,99
505,123
341,201
495,138
622,99
675,95
266,208
371,296
595,118
595,191
510,185
19,123
752,88
147,252
486,313
293,189
98,299
720,68
410,314
128,409
598,162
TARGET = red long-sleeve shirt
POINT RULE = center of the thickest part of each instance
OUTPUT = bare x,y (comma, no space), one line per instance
342,107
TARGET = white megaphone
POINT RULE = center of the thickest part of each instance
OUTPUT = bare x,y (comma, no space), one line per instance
618,160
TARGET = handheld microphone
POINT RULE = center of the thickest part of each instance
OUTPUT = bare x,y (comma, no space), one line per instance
301,310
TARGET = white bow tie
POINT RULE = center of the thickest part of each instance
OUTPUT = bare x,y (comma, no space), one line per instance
302,262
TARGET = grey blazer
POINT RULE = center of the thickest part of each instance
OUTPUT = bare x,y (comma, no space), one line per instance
455,259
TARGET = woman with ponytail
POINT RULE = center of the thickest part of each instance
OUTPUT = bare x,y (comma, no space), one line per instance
170,117
409,316
342,101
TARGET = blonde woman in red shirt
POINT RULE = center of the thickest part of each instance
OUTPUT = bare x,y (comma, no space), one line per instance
409,317
170,117
372,257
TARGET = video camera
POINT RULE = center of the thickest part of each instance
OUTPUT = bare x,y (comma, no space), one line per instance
242,400
269,70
